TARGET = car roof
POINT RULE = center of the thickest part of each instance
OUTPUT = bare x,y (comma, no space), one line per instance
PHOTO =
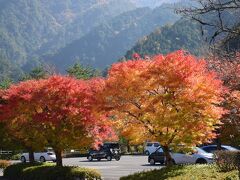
214,145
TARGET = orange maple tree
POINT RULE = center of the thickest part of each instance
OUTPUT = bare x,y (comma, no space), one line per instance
173,99
57,112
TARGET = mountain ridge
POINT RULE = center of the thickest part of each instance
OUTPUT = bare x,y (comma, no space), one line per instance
113,39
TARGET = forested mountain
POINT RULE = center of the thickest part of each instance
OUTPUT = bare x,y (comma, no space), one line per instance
110,40
184,34
60,32
8,70
31,28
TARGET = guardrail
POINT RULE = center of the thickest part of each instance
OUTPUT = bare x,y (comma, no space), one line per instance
5,152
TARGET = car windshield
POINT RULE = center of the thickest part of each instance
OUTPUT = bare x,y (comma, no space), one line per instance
111,145
200,151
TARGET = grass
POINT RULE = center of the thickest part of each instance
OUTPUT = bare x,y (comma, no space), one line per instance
187,172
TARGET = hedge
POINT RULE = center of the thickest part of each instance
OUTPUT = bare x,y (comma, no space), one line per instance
49,171
10,156
227,160
184,172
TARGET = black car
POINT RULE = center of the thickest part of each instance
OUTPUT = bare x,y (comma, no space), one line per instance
156,157
107,151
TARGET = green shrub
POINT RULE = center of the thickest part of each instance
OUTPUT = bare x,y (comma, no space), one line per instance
4,164
184,172
227,160
140,149
10,156
15,171
48,171
15,157
5,156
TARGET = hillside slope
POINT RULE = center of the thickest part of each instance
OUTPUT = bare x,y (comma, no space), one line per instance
183,34
29,28
109,41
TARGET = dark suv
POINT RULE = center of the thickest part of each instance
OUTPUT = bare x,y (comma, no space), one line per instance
156,157
106,151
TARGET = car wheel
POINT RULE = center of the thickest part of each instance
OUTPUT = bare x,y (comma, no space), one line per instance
201,161
99,159
90,158
146,153
42,159
23,159
117,158
152,161
109,158
174,162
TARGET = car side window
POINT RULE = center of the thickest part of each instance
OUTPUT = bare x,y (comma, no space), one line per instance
149,144
156,145
160,150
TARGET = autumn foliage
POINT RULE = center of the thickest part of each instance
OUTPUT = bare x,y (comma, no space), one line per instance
173,99
56,112
228,70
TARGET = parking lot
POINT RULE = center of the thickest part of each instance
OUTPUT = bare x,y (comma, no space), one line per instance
112,170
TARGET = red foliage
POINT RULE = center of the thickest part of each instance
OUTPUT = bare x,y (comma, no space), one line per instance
136,56
58,109
229,71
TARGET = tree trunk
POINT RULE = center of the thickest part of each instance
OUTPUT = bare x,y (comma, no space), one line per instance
219,144
31,156
168,157
128,148
59,157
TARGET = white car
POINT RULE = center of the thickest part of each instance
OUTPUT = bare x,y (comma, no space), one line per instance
39,156
198,157
151,147
212,148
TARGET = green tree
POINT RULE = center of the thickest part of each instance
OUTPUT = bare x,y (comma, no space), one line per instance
82,72
39,72
5,83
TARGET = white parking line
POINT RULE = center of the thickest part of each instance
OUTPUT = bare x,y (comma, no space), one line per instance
102,167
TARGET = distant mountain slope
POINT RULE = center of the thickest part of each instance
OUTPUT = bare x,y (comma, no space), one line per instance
109,41
151,3
8,70
34,27
183,34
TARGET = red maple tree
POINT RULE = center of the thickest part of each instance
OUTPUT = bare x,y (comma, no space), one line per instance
57,112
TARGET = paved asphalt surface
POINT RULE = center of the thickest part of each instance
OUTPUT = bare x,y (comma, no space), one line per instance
112,170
